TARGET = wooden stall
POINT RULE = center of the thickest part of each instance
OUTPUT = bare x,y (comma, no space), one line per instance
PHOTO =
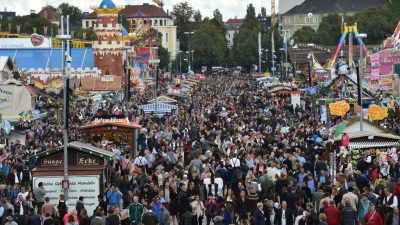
87,169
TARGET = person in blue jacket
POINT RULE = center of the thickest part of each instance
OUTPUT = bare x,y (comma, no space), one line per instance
156,207
226,216
113,196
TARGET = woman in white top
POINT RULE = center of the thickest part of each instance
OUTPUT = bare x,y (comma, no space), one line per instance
198,209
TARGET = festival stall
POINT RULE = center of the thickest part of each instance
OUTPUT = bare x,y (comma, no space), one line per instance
87,173
107,131
285,89
374,140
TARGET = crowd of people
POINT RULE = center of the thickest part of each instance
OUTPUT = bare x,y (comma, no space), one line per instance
231,154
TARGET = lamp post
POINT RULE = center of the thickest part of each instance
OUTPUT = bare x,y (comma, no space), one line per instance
189,33
309,70
180,62
65,38
309,57
128,79
359,79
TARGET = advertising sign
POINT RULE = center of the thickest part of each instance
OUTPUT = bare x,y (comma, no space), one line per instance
87,186
374,66
35,41
386,82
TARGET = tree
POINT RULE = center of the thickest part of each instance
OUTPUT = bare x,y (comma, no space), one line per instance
90,34
75,14
164,57
209,45
183,14
245,44
378,27
28,23
329,30
218,21
305,35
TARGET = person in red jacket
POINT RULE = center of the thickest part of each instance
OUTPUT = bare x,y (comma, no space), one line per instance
373,217
332,214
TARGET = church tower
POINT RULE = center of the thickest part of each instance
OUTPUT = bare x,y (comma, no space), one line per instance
107,49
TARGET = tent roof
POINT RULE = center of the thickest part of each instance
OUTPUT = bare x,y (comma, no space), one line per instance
370,130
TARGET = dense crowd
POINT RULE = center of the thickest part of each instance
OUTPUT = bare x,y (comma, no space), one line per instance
231,154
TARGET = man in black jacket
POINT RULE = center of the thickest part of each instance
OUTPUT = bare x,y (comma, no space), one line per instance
284,215
33,219
183,200
394,218
188,218
242,206
348,215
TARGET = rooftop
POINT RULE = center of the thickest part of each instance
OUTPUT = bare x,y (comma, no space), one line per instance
332,6
132,11
234,21
107,4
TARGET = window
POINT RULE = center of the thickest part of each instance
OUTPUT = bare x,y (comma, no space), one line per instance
315,19
165,22
151,22
87,23
166,37
155,22
307,19
93,22
287,19
161,22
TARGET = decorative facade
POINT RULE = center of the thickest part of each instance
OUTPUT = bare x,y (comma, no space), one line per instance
107,50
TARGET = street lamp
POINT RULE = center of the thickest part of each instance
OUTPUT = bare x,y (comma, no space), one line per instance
180,62
128,78
189,33
65,37
359,78
309,57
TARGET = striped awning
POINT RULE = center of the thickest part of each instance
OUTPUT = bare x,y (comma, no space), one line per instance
359,145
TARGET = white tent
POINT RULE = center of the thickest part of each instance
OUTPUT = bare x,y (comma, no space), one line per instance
14,100
159,109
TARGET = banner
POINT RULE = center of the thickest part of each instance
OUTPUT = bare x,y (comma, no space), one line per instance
13,101
386,82
374,66
35,41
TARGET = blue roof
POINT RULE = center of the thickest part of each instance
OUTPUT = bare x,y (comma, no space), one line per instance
107,4
39,58
124,31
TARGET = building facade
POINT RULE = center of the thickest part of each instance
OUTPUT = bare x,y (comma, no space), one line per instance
6,15
232,27
51,14
107,50
158,18
311,12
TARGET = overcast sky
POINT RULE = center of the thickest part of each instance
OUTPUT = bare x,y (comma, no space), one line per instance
228,8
